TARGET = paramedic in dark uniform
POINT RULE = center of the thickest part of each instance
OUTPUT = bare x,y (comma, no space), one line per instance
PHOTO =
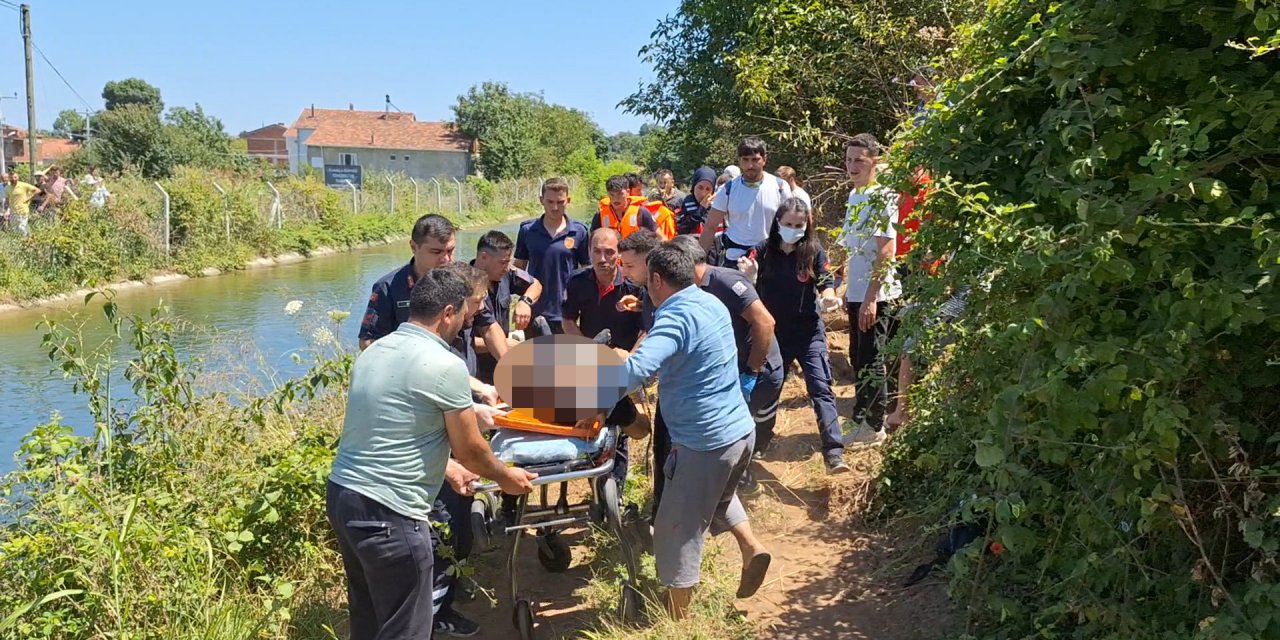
794,281
550,247
493,257
433,241
592,304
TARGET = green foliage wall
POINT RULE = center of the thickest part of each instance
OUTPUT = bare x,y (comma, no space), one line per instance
1107,176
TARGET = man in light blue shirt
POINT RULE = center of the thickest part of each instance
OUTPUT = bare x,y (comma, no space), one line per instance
408,406
691,348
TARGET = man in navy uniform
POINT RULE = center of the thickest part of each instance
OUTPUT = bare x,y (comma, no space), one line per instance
493,257
550,247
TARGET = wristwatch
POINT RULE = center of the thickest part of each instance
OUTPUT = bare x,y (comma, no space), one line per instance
527,300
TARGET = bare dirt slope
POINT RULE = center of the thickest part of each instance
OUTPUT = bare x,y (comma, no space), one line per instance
834,575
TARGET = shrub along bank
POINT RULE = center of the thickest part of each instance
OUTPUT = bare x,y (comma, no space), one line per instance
1106,187
84,246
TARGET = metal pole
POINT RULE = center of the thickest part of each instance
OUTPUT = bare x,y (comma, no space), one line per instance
392,186
226,210
166,218
455,181
33,144
415,194
439,206
277,212
355,198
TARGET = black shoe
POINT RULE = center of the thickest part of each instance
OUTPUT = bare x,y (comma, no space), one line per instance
451,623
748,484
835,462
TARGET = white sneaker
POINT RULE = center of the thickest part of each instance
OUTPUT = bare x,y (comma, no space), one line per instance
858,435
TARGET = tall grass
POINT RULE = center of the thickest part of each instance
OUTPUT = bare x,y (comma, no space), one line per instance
80,246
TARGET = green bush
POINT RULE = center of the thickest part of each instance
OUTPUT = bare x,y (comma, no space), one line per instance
1106,177
186,516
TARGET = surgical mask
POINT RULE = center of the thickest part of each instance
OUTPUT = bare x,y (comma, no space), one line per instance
791,235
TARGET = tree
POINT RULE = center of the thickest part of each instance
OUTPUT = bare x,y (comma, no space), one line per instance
132,136
198,139
69,122
522,135
506,125
119,93
1105,184
801,73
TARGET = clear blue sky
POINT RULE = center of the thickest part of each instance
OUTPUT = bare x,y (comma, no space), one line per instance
254,63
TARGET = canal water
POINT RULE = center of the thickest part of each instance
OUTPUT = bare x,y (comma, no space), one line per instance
236,324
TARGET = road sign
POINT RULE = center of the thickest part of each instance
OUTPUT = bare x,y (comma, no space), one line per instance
337,175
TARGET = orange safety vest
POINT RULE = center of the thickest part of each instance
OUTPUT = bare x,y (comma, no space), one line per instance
663,214
630,218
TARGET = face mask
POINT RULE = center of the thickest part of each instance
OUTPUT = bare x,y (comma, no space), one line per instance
791,235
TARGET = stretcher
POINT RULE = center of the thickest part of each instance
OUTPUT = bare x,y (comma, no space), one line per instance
559,454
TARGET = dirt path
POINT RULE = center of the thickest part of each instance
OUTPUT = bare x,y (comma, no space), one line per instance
833,575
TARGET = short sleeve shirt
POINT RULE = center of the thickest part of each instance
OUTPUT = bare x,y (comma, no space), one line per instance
595,309
552,260
20,197
736,293
498,304
750,207
872,214
394,447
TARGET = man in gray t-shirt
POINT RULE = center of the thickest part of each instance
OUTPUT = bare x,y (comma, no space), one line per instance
409,405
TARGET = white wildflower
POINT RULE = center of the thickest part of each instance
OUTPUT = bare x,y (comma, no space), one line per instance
338,316
293,307
323,336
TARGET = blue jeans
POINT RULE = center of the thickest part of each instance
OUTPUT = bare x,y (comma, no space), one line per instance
389,567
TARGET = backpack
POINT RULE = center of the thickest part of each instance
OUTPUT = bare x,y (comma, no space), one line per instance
729,185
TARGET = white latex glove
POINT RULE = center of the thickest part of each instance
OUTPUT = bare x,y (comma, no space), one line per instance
485,415
516,335
488,394
749,268
828,305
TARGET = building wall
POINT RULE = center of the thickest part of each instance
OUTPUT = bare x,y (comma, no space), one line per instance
268,142
422,165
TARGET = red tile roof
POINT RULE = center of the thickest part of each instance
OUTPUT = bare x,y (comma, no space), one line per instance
376,130
49,149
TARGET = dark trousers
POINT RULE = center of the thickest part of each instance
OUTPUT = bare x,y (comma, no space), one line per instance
389,567
764,403
763,406
808,344
869,371
661,449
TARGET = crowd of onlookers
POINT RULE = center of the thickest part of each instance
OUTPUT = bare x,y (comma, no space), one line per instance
45,195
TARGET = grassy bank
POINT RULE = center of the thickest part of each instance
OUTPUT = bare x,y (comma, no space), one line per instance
195,515
86,247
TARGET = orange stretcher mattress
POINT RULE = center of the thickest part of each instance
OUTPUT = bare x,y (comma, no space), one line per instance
522,420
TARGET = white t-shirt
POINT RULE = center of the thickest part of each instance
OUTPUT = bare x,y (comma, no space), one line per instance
750,209
799,192
872,213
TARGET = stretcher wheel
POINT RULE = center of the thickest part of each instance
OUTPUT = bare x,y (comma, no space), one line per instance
629,605
480,517
522,617
554,553
610,503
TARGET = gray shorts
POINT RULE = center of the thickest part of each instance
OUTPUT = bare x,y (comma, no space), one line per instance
700,494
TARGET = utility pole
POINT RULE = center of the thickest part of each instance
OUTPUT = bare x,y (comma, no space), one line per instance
88,130
33,143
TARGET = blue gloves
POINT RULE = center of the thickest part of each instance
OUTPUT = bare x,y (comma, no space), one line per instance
748,383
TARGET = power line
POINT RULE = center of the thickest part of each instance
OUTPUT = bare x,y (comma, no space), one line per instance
10,5
60,76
